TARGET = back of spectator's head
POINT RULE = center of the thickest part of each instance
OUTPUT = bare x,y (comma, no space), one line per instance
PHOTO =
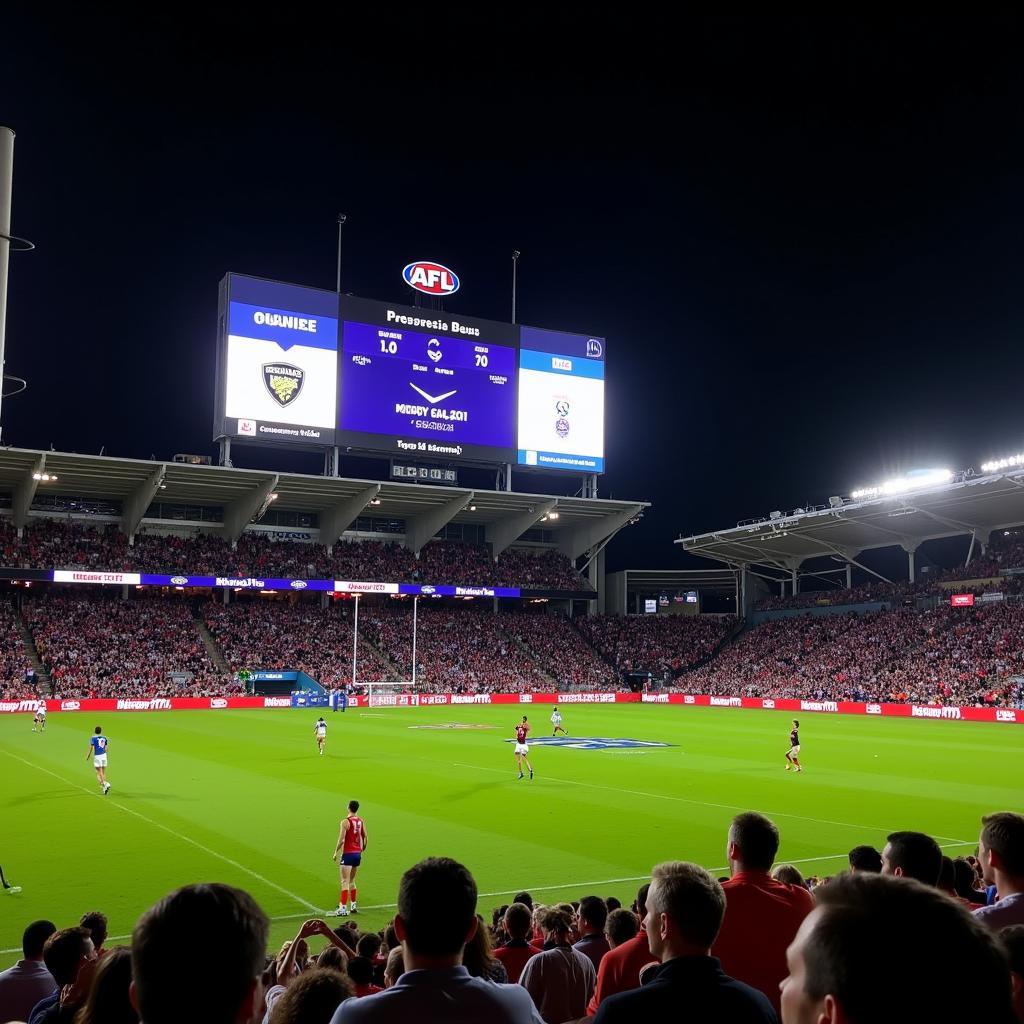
554,921
640,903
685,907
612,903
518,920
312,998
333,959
390,937
360,970
368,946
912,855
947,876
753,841
34,938
436,907
230,926
96,922
856,955
593,912
525,898
108,1001
866,858
621,926
1012,941
395,967
64,952
966,879
789,874
1001,847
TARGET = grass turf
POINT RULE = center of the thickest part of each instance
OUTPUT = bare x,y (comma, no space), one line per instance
243,797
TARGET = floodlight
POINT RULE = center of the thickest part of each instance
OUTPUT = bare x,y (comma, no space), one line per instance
1011,462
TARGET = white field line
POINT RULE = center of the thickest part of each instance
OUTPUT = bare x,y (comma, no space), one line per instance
177,835
705,803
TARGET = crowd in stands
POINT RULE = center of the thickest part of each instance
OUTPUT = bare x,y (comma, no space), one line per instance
560,649
13,661
962,656
67,544
303,637
95,644
460,650
759,946
656,643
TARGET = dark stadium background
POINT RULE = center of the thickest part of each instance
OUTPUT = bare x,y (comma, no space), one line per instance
802,237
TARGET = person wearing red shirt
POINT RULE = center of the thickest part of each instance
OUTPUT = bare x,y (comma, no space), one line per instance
620,968
762,915
518,924
522,748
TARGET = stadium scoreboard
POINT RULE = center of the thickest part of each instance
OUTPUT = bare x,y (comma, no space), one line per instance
296,366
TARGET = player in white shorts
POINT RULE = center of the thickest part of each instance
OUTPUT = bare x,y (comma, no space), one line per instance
522,748
556,721
39,719
98,751
320,731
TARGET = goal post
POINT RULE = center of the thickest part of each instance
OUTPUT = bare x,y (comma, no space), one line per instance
388,694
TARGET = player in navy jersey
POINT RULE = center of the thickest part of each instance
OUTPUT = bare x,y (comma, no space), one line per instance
522,730
793,754
98,752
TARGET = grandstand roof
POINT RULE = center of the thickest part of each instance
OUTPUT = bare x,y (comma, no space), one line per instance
844,528
580,522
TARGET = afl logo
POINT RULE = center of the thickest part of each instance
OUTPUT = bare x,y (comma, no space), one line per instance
298,584
427,589
431,278
179,581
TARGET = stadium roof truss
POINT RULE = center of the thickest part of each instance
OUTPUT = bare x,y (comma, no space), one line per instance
974,506
580,526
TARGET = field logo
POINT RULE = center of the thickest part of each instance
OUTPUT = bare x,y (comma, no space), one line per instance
283,382
594,743
431,278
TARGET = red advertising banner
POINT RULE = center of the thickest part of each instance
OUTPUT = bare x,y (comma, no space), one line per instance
945,712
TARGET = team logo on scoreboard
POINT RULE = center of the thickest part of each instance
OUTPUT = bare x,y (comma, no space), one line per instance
594,348
431,278
283,381
434,350
562,424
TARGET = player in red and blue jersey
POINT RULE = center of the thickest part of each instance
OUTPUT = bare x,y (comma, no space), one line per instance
98,752
351,842
793,754
522,749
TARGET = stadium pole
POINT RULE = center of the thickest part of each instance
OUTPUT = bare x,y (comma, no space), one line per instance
6,182
415,605
515,263
355,641
341,221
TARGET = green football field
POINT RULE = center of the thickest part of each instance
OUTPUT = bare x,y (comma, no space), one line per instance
243,797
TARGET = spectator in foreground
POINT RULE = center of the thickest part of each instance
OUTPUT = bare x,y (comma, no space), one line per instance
857,955
685,906
1001,853
591,917
222,982
762,915
436,918
620,927
866,858
1012,942
312,998
28,982
66,954
912,855
560,979
96,923
108,1000
518,949
620,969
360,970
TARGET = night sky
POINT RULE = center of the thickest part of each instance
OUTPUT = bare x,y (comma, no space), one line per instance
802,238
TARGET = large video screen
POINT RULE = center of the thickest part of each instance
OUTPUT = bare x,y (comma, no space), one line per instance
561,401
278,366
422,382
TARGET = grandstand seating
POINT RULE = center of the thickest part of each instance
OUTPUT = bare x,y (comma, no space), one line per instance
561,649
49,543
13,662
